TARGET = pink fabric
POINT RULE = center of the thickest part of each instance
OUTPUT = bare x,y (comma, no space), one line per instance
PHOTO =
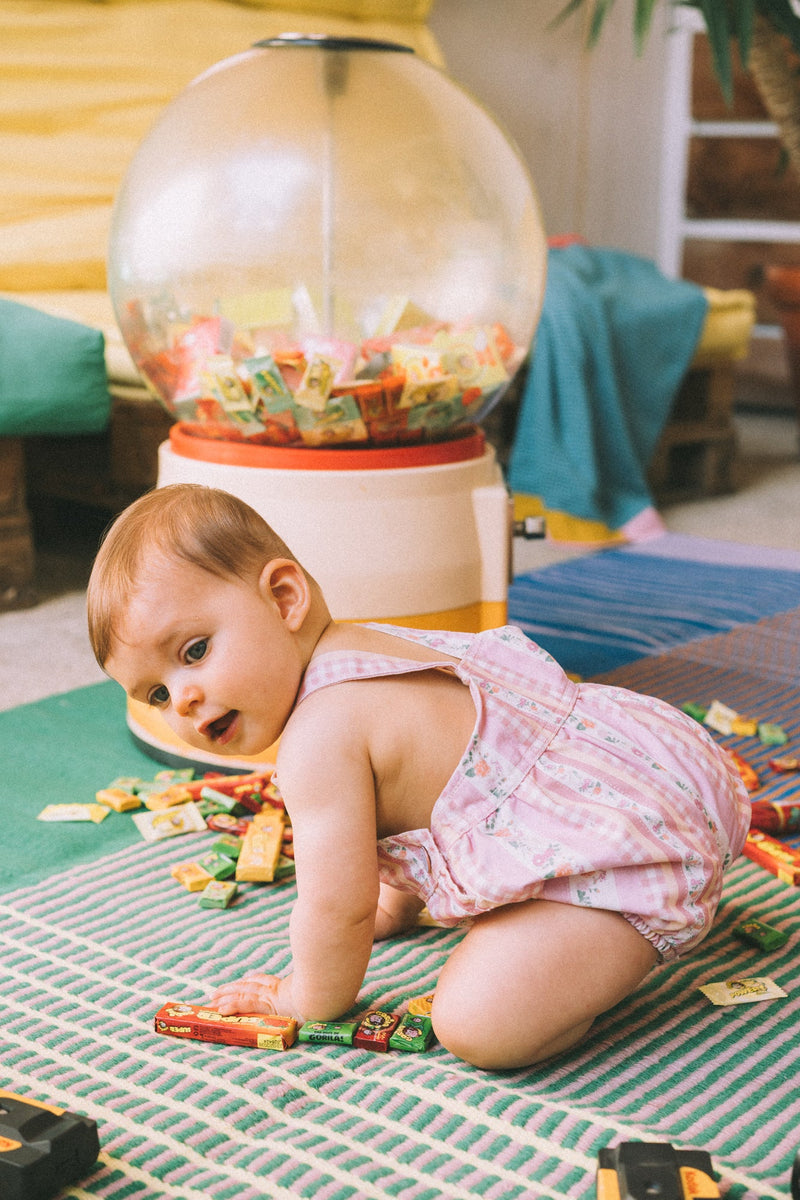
580,793
646,525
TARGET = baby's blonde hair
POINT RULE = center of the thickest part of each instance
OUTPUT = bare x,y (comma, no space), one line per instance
201,525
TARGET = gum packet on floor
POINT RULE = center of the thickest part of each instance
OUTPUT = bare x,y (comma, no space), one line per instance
73,812
742,991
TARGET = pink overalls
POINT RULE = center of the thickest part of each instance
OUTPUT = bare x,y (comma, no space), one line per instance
579,793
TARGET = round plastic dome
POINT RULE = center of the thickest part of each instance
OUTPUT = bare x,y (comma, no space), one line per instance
326,241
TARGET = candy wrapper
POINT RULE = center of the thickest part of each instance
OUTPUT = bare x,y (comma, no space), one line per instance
241,373
742,991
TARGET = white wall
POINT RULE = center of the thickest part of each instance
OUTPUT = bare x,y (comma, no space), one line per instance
591,125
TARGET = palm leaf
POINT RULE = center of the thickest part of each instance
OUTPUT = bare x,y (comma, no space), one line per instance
565,13
743,14
601,10
718,28
725,20
642,19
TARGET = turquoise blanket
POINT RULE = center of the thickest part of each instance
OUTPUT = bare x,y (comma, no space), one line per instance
52,374
614,342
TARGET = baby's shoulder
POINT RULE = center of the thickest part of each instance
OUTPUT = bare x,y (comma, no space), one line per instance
328,718
324,748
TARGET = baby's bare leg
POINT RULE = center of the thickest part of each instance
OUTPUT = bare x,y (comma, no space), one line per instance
529,979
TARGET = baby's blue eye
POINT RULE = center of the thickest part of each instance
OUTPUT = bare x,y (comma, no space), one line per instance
197,650
159,695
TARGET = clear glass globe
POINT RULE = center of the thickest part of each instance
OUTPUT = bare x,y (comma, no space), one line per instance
326,242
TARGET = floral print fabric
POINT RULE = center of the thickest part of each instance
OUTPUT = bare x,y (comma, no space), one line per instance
579,793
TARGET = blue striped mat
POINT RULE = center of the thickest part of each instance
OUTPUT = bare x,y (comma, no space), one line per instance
601,611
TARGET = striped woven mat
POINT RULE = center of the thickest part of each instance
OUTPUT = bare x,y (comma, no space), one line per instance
87,960
89,954
754,669
601,611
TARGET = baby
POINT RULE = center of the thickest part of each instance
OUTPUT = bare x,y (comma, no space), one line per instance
578,831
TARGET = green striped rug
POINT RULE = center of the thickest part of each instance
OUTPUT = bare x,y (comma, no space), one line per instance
90,950
88,958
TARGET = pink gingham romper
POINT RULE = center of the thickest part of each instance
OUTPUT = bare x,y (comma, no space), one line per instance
580,793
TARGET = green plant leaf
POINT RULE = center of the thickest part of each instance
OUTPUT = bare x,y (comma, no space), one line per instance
642,19
565,13
601,10
597,17
725,21
743,14
715,15
784,17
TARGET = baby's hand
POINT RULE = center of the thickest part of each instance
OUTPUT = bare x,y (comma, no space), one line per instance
256,993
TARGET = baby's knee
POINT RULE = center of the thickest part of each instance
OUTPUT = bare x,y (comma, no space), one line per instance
493,1041
463,1039
462,1027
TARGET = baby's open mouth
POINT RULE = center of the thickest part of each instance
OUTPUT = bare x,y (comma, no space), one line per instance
216,730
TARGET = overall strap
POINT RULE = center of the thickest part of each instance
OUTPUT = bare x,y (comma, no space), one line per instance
344,666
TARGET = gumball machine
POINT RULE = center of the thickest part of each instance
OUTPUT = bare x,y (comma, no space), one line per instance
328,262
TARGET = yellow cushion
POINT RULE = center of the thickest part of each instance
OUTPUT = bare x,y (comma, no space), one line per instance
361,10
81,84
728,325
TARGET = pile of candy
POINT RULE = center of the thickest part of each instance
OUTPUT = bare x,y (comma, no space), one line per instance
255,843
766,817
727,720
255,846
244,377
247,811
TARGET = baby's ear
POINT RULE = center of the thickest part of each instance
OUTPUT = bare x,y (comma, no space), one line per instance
284,582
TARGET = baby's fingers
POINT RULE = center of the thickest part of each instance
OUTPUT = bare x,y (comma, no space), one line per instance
253,994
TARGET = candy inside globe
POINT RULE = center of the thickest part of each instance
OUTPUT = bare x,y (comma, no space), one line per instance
327,242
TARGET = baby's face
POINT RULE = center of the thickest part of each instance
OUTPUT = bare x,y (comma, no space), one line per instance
213,655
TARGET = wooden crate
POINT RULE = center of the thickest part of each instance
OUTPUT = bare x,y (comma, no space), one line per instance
104,471
17,560
696,454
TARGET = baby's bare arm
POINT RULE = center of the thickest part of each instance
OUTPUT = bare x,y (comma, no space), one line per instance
326,779
259,992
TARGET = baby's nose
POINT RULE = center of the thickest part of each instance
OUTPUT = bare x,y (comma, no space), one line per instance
185,698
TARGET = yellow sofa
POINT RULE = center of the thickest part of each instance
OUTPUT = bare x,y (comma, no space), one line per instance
81,83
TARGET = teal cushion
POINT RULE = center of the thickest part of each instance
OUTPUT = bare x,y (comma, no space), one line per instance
52,374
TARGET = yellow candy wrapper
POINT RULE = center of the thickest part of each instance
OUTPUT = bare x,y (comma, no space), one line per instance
74,812
742,991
